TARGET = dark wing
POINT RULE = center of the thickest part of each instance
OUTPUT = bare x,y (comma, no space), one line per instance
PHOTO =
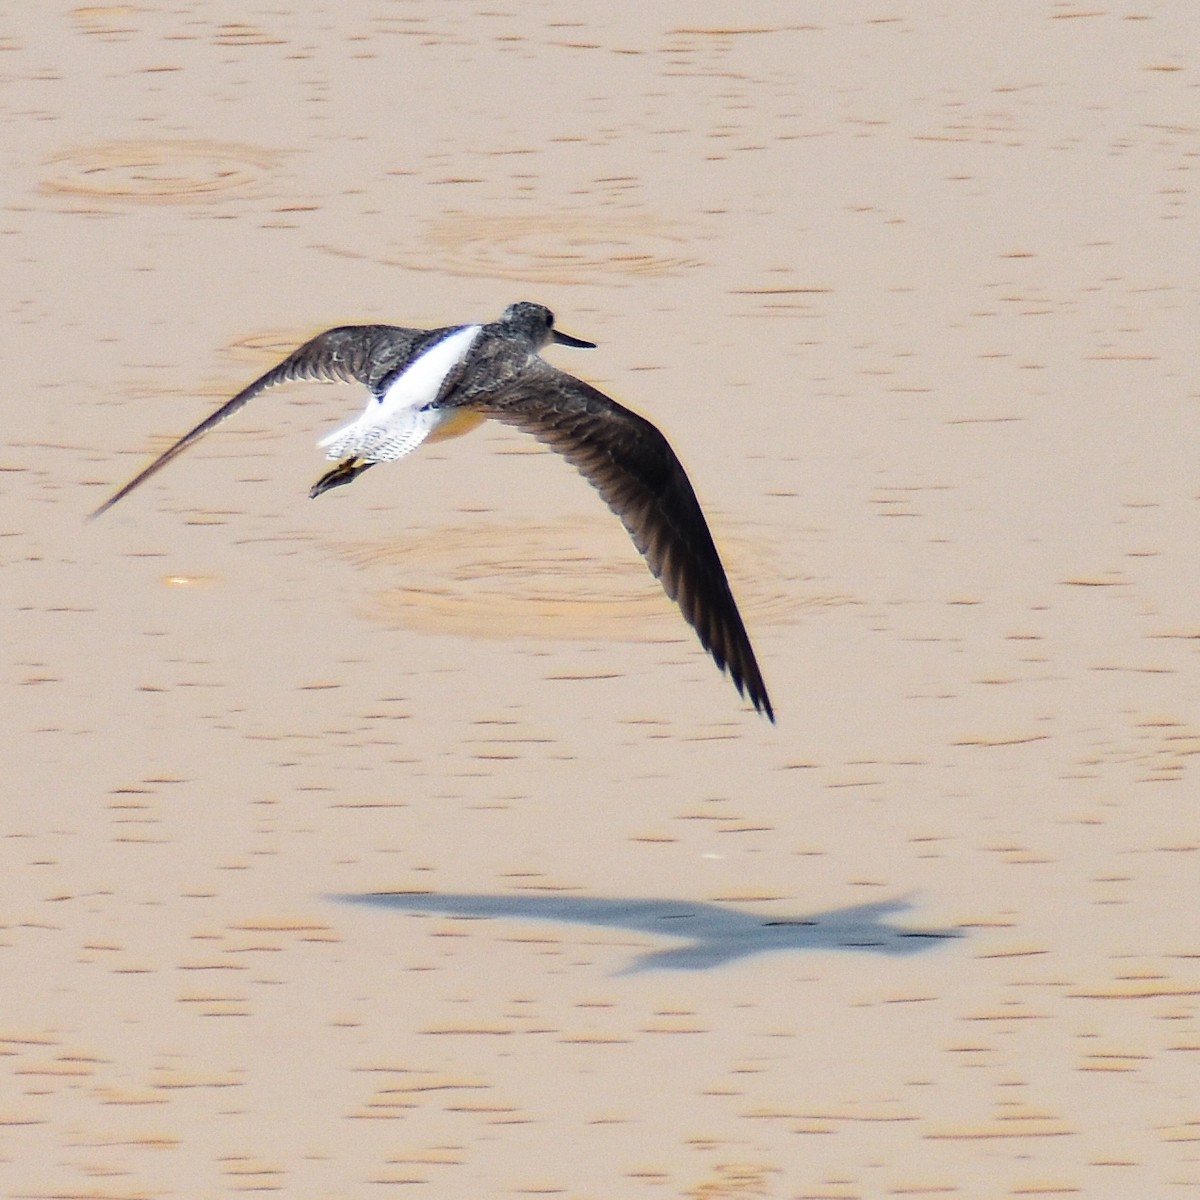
349,354
633,467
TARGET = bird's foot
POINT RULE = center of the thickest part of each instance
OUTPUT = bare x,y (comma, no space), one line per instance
346,471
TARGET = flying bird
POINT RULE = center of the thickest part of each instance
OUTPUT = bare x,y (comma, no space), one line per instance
432,384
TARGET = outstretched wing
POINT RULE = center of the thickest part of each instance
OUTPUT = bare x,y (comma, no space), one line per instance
633,467
349,354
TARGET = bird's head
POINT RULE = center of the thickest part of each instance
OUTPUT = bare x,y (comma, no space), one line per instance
536,322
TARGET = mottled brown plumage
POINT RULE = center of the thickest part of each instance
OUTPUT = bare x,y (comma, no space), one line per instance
365,354
502,376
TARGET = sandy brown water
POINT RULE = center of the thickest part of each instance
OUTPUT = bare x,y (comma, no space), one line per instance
405,842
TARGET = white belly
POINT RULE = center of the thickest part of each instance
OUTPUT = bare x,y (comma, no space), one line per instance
399,421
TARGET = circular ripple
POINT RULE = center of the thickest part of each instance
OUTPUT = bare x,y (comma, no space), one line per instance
570,580
561,248
268,345
160,172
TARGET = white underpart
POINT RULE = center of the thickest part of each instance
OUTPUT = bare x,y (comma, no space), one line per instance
397,422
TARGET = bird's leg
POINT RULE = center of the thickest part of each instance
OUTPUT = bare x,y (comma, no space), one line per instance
347,470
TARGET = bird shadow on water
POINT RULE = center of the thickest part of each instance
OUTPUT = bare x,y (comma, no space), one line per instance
712,934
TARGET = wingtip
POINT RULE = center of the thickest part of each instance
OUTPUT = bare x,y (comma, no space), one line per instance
752,690
116,496
750,686
762,704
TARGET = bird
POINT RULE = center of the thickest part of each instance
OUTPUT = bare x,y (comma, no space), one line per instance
432,384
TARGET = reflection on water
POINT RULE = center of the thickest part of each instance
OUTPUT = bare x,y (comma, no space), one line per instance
109,22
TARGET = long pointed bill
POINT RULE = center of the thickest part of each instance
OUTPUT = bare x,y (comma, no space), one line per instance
565,339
